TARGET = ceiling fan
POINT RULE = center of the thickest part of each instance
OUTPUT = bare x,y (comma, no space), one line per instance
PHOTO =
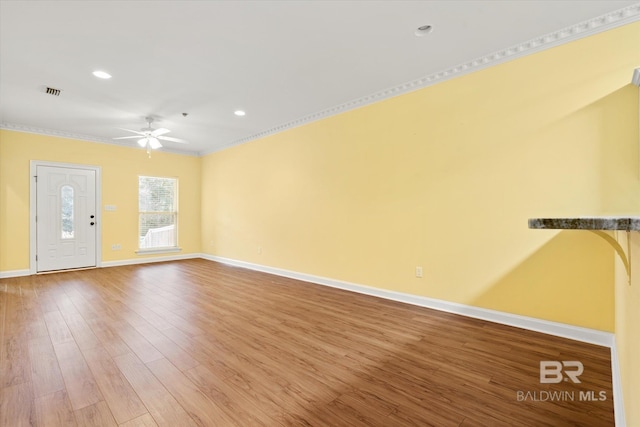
149,137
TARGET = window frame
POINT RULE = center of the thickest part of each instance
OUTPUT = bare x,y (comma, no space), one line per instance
174,213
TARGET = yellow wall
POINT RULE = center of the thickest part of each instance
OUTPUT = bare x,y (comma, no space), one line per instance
446,178
120,169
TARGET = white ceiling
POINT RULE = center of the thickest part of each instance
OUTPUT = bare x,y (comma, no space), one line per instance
283,62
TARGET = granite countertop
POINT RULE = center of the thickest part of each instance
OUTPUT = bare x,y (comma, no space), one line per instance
626,223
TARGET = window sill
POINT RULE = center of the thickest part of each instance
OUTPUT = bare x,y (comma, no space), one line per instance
152,251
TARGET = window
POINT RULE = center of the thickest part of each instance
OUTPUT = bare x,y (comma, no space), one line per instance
67,211
158,210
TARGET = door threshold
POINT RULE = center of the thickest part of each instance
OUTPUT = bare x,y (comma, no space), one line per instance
65,270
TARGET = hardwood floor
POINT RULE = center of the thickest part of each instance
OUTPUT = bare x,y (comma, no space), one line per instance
197,343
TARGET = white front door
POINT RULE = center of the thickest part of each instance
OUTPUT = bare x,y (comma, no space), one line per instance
65,218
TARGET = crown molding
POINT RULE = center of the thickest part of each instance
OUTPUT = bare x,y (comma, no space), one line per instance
583,29
82,137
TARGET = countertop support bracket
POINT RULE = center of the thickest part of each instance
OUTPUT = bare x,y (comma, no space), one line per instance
600,226
624,256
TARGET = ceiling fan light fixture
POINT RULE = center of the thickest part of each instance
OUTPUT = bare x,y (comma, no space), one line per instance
150,138
154,143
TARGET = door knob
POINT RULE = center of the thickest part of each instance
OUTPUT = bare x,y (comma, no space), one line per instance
92,223
93,216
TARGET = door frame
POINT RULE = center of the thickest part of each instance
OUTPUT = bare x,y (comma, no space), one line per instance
33,245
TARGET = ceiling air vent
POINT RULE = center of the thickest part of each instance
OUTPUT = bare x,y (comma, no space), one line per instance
52,91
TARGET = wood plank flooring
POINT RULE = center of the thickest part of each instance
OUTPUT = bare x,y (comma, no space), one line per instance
198,343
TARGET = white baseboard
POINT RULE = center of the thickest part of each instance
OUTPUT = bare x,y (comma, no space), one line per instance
577,333
147,260
14,273
131,261
591,336
618,398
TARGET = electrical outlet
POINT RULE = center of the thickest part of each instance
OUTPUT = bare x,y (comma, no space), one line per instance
116,247
259,249
419,272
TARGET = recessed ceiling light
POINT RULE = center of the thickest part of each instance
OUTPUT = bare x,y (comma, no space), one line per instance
239,113
423,31
101,74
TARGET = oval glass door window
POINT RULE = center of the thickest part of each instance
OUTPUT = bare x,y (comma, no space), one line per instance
67,212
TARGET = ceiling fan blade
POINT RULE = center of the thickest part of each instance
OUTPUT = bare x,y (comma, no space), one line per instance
159,132
134,131
168,138
128,137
